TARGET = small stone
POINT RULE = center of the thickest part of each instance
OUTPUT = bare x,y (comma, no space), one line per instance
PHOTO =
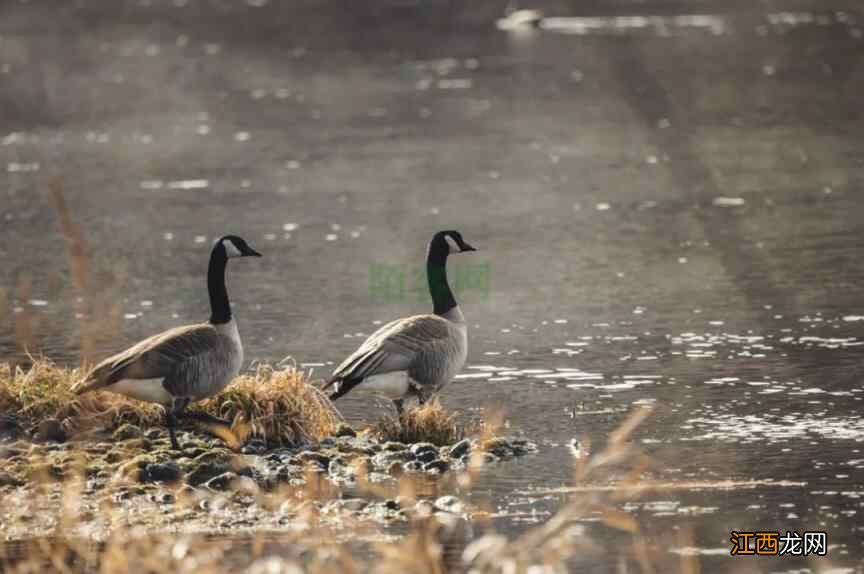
460,449
392,504
436,466
386,458
354,504
450,504
393,446
254,446
288,472
168,471
427,456
7,479
126,432
244,485
50,430
378,477
424,508
344,429
221,482
311,456
422,447
203,473
152,434
498,446
163,498
413,466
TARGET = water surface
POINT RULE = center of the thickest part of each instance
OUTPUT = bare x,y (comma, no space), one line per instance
668,212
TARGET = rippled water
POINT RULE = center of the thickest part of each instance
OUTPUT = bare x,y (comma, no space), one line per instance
682,235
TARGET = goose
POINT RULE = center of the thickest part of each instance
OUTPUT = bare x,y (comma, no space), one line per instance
413,356
184,364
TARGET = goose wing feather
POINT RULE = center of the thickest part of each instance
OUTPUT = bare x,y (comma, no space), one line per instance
397,346
160,356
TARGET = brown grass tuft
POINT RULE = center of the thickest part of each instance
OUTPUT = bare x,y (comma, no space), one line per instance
273,404
277,405
427,423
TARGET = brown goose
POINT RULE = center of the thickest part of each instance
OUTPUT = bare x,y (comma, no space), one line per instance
184,364
414,356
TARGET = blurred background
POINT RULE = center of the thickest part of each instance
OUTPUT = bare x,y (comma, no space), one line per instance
666,196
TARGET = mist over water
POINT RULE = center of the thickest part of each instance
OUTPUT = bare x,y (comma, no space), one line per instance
668,212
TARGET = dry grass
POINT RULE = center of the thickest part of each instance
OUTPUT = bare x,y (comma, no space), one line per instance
278,405
273,404
427,423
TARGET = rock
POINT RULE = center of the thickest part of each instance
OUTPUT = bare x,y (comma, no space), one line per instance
427,456
210,465
460,449
288,472
254,446
498,446
386,458
308,456
126,432
245,486
154,433
424,508
354,504
344,429
421,447
168,471
522,446
7,479
221,482
9,428
50,430
413,466
436,466
377,477
450,504
392,504
162,498
394,446
350,445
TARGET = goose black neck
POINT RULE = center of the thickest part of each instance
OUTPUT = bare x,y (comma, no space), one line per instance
220,308
436,274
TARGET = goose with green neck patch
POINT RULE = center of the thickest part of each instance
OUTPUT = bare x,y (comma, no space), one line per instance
413,357
184,364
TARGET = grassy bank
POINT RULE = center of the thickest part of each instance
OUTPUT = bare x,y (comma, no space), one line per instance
278,405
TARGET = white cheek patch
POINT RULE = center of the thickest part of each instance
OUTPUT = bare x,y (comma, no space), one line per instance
231,249
454,247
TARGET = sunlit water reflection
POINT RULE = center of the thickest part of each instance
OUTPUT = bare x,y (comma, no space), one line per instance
685,237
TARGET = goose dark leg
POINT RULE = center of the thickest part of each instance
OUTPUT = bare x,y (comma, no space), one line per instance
171,422
398,404
171,414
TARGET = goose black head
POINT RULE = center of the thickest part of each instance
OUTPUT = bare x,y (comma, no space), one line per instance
450,242
236,247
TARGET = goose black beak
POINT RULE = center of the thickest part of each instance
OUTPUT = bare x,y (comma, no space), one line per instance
467,247
251,253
